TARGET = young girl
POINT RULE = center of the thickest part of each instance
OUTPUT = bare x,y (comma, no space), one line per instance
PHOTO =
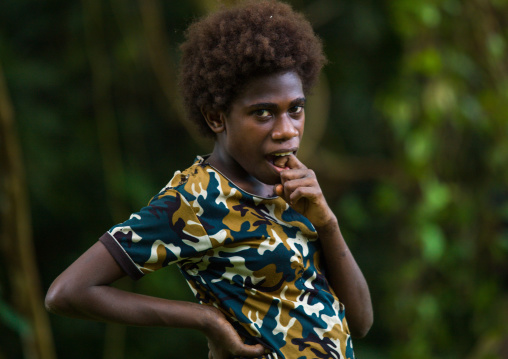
248,224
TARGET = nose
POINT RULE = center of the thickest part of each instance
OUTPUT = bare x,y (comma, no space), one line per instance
284,128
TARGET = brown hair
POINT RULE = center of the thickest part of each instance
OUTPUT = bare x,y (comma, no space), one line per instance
224,50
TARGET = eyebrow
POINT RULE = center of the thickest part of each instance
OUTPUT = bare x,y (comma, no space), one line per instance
273,106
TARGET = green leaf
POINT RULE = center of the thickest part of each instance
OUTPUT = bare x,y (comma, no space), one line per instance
13,320
433,242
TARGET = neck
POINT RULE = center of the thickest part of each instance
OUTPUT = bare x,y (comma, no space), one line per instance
235,173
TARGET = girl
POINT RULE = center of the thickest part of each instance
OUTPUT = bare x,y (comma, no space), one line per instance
248,225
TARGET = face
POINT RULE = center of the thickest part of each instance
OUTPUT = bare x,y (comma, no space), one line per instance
265,122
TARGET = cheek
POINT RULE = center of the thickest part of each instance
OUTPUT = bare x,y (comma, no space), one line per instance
300,127
253,135
247,136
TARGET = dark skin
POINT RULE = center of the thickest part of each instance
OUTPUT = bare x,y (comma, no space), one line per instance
266,118
256,146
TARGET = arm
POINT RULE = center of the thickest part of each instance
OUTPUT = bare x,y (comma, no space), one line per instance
346,279
301,190
83,291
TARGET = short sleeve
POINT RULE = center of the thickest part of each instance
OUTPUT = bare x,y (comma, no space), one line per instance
164,232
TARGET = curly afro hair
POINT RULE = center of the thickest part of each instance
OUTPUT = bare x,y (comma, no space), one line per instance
224,50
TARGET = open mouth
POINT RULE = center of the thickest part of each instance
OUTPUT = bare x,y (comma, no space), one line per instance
279,160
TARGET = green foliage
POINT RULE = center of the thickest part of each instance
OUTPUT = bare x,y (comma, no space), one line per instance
417,123
11,319
441,108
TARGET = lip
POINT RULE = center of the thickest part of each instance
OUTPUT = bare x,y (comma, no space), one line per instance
284,150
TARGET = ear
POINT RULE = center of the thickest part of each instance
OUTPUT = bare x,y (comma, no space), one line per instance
215,120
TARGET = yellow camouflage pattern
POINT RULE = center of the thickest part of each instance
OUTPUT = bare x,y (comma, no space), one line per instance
254,258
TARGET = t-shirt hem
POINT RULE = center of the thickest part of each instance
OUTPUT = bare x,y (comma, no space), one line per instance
118,253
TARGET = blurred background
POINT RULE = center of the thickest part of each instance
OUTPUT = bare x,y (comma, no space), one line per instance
407,132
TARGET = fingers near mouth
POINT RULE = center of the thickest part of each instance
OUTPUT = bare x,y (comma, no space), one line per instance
281,161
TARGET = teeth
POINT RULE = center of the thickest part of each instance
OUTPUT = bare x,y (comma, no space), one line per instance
283,154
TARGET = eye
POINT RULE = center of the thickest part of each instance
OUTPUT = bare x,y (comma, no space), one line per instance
295,110
262,113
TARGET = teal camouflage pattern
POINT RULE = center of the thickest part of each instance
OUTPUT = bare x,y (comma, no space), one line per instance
254,258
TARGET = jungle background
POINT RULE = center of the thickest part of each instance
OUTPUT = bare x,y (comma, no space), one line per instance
407,132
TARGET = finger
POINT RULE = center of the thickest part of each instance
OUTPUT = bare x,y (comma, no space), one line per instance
287,175
290,186
250,351
305,180
313,195
294,163
279,190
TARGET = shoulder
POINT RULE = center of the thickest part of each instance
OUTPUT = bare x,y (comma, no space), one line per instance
186,188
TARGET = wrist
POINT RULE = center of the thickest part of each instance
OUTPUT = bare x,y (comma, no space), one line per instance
328,227
211,318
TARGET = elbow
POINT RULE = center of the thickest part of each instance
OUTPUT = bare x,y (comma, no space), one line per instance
52,302
362,327
360,333
58,299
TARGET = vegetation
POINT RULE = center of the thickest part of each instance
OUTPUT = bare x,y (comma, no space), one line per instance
407,132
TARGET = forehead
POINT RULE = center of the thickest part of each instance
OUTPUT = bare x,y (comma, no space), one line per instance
273,88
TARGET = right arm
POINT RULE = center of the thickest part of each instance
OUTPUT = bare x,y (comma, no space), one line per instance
83,291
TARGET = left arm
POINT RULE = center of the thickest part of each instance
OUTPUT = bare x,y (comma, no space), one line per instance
346,279
301,190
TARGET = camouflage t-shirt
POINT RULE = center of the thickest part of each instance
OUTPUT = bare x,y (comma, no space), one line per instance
254,258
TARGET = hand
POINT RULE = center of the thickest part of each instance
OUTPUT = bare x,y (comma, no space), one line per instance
224,342
300,188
